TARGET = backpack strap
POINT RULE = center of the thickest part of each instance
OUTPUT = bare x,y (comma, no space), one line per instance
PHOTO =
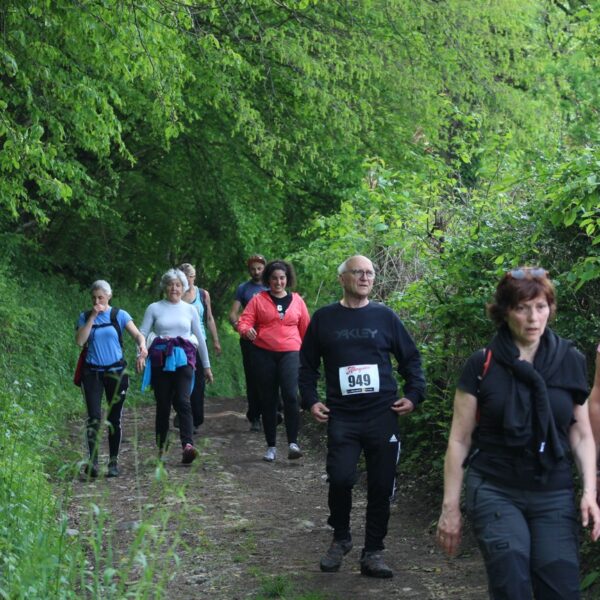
114,311
487,353
486,364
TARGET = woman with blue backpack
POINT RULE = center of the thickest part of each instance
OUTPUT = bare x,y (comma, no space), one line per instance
102,371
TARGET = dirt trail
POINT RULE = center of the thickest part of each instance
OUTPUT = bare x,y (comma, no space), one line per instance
243,520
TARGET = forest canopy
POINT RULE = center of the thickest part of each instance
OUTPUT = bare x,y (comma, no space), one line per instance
166,130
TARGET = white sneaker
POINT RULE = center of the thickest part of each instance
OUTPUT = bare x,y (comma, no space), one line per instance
270,454
294,451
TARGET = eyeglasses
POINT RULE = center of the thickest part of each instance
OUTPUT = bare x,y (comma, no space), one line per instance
524,272
360,273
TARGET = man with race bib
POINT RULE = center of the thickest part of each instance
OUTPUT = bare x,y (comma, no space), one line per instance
355,338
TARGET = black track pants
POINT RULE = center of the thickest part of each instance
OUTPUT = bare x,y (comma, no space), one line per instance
114,386
252,383
379,438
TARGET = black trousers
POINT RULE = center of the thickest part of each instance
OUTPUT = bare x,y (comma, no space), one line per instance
379,439
173,388
252,383
197,396
278,371
114,385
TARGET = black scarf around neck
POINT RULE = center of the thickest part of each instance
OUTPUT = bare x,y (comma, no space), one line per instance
528,415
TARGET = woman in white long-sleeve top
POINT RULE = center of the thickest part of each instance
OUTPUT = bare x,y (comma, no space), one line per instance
172,359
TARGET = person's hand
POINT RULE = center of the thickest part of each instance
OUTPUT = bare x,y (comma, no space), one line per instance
403,406
320,412
209,375
590,512
251,334
217,347
449,530
140,363
97,308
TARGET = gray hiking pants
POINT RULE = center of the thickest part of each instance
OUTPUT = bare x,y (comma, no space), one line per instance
528,539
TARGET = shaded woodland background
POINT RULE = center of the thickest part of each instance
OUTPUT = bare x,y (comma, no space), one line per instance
450,140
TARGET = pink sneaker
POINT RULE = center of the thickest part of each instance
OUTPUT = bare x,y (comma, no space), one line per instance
189,454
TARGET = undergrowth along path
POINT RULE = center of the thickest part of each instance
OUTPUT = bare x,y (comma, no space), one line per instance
232,526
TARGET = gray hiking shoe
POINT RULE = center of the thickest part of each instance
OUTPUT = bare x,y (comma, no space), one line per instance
113,468
373,565
331,561
90,471
270,454
294,451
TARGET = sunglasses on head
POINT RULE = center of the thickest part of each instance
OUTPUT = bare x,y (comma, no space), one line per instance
524,272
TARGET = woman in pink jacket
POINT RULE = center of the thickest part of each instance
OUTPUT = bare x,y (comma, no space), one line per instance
275,321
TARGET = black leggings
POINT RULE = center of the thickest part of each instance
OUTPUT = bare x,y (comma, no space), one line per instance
197,396
276,370
173,388
252,383
114,385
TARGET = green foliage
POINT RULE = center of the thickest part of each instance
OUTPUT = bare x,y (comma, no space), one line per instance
204,132
37,557
75,80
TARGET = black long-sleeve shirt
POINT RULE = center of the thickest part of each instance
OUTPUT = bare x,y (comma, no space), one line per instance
355,345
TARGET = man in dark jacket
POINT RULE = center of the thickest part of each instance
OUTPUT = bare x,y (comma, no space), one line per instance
355,338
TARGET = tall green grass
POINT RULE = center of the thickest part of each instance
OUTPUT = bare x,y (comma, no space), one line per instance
41,556
37,558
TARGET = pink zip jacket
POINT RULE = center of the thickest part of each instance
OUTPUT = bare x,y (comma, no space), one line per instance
273,333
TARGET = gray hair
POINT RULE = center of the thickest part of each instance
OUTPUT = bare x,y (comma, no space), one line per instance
100,284
344,266
172,274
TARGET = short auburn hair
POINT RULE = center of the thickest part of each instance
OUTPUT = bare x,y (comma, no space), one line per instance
520,285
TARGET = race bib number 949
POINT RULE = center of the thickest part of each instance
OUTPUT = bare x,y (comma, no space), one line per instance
359,379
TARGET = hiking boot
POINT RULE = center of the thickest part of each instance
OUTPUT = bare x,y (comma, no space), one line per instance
189,454
270,454
331,561
176,421
373,565
294,451
113,468
255,426
91,470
